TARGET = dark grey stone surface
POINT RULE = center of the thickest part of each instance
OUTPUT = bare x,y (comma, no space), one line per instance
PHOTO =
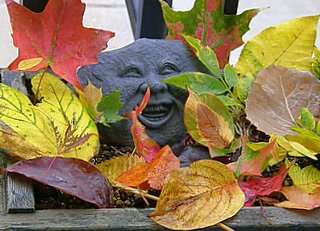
132,69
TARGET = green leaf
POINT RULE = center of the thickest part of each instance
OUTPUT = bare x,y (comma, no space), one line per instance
230,76
198,82
205,54
242,89
208,121
206,21
228,101
110,106
289,44
307,119
308,178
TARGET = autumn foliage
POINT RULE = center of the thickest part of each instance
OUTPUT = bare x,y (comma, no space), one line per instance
55,38
260,116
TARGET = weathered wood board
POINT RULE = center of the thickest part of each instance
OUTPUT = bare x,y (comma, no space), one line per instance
135,219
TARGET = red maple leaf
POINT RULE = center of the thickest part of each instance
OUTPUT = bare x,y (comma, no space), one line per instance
258,186
56,35
207,22
146,147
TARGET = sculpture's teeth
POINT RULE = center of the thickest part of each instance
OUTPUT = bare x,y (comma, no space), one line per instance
154,116
156,109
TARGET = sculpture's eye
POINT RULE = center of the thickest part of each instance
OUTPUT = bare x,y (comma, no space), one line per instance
168,68
132,72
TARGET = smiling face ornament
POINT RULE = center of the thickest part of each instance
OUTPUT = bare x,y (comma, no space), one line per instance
134,68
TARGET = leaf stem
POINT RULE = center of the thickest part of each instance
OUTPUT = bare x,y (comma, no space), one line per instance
38,87
224,227
140,192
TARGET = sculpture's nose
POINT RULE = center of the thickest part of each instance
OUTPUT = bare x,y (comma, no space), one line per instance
155,87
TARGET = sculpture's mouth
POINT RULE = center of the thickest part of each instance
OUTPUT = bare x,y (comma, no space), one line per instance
156,115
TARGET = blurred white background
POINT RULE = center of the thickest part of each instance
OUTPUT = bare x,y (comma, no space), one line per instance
112,15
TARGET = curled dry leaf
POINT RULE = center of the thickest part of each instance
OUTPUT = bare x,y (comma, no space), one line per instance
202,195
299,199
57,126
289,44
146,175
115,167
73,176
56,38
277,96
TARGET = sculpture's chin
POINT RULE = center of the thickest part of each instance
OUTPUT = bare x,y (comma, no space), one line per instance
155,116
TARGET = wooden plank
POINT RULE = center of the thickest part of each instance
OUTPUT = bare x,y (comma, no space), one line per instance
20,198
135,219
3,198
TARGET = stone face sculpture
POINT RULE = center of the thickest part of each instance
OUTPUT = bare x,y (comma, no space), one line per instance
133,69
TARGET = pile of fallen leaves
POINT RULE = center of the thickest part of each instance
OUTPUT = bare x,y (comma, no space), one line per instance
274,88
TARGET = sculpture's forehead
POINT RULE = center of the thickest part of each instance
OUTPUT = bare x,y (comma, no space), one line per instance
147,51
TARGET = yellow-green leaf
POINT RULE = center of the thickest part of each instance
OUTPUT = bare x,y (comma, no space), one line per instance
208,121
202,195
57,126
289,44
76,132
29,63
22,124
307,119
115,167
303,150
308,178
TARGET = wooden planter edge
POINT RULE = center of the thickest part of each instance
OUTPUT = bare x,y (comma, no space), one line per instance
136,219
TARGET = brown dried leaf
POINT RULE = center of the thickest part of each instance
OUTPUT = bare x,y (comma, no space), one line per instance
299,199
277,96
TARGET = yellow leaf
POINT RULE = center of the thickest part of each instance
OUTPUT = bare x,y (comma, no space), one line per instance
23,123
57,126
29,63
289,44
202,195
299,199
115,167
307,179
